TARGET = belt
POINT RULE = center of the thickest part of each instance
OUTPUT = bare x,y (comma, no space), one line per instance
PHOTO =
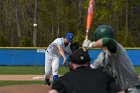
47,51
50,53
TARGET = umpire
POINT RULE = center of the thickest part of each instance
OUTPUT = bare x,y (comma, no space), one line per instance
83,79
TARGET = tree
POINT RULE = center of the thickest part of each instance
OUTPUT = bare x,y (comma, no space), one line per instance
35,22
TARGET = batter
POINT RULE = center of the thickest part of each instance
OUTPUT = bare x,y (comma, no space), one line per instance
114,59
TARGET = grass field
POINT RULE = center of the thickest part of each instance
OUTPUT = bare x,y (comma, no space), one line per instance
33,70
30,70
138,70
5,83
27,70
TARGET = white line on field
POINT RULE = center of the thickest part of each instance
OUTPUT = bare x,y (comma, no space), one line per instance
39,77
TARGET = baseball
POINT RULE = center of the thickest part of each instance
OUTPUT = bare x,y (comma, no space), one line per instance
35,25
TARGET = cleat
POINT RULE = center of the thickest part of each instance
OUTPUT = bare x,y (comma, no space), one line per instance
47,82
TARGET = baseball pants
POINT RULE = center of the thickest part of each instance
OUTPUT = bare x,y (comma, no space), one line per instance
51,65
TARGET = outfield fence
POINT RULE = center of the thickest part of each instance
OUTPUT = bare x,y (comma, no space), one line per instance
36,55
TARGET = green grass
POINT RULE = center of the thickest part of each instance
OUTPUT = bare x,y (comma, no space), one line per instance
27,70
21,70
138,70
5,83
33,70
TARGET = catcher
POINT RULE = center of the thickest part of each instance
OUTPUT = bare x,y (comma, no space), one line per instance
114,59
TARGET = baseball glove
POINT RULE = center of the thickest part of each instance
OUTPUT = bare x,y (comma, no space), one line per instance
74,46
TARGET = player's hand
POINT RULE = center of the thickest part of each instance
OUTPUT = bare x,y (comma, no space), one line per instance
64,63
86,43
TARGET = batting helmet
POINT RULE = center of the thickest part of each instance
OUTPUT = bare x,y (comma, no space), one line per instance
103,31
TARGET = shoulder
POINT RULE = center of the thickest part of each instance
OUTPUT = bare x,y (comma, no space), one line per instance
59,41
110,43
107,41
59,86
62,84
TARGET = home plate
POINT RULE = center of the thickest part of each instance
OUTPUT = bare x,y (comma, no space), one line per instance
38,77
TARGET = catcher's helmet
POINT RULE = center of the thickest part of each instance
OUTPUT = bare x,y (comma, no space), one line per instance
103,31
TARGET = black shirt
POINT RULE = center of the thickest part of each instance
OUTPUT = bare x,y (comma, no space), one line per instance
86,80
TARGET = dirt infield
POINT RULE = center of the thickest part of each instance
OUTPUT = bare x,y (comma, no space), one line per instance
32,88
21,77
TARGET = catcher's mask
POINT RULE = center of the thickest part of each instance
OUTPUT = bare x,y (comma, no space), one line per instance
74,46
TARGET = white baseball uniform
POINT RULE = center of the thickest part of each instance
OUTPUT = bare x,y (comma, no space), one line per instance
52,56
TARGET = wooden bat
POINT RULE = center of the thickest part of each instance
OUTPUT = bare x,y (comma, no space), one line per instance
90,14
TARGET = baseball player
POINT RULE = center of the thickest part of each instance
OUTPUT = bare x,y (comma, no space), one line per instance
58,48
114,59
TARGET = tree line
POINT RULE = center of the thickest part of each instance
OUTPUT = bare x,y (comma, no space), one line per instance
54,18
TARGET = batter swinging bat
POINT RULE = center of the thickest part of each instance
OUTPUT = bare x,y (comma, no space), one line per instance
90,14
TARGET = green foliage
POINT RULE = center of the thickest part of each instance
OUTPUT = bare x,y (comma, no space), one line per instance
79,37
126,38
26,42
3,40
57,17
85,4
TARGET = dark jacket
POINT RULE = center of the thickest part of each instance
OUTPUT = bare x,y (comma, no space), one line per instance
86,80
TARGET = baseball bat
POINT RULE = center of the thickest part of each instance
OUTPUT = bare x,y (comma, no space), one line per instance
90,14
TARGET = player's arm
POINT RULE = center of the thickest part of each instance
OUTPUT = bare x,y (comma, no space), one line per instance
67,49
109,43
62,54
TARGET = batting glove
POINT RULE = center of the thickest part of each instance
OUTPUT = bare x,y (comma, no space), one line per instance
86,43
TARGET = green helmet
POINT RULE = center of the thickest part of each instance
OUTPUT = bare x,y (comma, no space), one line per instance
103,31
